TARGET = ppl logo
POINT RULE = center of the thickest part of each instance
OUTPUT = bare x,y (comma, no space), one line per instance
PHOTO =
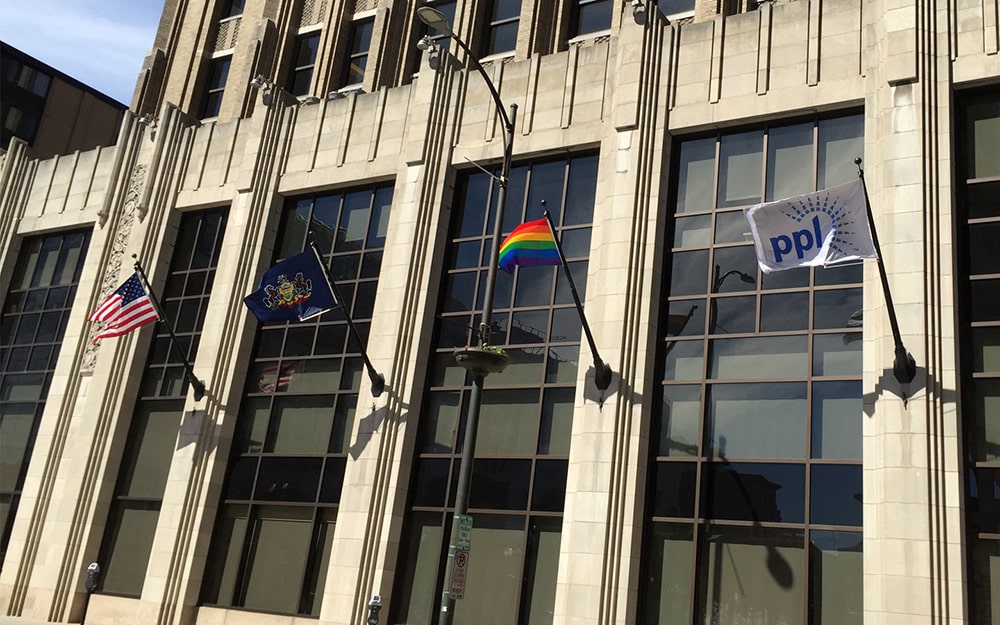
799,241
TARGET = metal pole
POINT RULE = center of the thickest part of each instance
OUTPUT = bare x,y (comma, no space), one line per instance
196,384
478,378
904,367
602,372
377,379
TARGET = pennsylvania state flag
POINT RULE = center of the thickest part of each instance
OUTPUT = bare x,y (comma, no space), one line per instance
295,288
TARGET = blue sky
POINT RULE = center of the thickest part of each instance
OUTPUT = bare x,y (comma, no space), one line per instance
101,43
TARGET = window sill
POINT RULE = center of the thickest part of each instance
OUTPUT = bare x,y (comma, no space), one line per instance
588,36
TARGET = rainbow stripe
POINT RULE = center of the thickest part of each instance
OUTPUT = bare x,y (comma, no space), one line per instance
530,245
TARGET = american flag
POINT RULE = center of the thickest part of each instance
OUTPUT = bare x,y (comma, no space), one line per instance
124,310
275,378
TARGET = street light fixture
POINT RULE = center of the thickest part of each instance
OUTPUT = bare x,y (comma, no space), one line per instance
437,21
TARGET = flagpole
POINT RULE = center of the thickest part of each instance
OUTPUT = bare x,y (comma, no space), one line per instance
377,379
904,367
196,384
602,372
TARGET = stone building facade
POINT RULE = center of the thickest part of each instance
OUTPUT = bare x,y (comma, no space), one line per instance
754,459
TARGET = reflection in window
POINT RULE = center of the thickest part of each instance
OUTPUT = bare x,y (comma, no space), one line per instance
32,324
522,446
300,402
755,474
152,434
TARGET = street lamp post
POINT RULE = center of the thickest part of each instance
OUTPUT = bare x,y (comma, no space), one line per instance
437,21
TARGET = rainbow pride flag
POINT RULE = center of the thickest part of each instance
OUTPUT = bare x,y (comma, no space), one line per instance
530,245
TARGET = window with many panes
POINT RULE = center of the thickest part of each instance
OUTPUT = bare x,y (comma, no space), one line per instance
590,16
32,324
522,447
271,547
754,500
502,21
977,230
303,63
152,435
357,56
216,75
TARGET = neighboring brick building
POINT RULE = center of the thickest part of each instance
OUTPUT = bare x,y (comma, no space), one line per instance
53,113
754,460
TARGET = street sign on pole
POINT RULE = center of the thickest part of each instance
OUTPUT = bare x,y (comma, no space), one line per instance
459,572
464,539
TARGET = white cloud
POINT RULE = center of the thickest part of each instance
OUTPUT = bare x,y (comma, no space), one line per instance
101,44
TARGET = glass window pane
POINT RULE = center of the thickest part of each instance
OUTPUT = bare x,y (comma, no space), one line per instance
562,364
981,200
686,318
681,418
837,412
833,309
984,254
423,553
223,566
732,227
789,161
689,273
15,442
153,437
288,479
836,567
131,529
594,16
755,491
836,494
670,574
788,311
542,569
841,140
312,592
283,540
557,421
984,499
751,575
732,315
438,431
684,360
300,424
837,354
758,420
674,488
695,231
984,582
985,304
508,422
985,441
985,350
495,571
735,270
740,161
983,135
759,358
548,492
696,178
580,190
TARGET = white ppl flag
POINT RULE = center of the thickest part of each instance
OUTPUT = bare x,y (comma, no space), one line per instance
821,228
